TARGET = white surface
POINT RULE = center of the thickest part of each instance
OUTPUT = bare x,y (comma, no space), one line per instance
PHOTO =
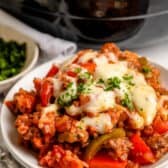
157,53
50,45
9,133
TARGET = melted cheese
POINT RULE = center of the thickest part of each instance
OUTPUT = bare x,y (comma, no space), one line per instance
112,57
106,71
143,96
121,92
57,86
136,121
99,101
102,60
50,108
138,78
145,100
74,110
101,123
87,56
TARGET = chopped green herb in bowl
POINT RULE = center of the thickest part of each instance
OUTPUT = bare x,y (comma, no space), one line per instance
12,58
18,55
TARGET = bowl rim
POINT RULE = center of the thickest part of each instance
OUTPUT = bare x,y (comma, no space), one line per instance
26,69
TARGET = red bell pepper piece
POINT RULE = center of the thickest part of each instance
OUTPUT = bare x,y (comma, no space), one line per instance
90,66
37,84
72,74
46,92
105,161
53,71
160,126
141,152
10,105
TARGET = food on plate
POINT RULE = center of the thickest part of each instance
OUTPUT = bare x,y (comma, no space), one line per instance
101,109
12,58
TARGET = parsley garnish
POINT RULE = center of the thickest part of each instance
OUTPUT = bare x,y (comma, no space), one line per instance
126,102
85,75
113,83
68,96
141,109
128,79
100,81
83,88
69,85
64,100
77,70
145,69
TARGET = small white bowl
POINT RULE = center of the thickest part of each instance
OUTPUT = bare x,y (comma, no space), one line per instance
32,53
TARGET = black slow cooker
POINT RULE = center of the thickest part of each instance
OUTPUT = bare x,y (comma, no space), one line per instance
130,23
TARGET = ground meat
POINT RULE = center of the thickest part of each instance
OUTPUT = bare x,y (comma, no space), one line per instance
132,59
63,123
24,102
47,123
70,131
153,79
61,158
35,117
118,115
119,148
148,131
110,48
73,136
28,131
158,144
23,124
132,165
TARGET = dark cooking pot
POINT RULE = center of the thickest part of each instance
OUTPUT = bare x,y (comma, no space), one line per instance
130,23
95,21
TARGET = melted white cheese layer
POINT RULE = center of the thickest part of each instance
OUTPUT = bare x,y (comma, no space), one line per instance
101,123
87,56
100,101
106,71
145,100
142,95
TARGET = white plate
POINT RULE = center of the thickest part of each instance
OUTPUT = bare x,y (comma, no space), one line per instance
9,133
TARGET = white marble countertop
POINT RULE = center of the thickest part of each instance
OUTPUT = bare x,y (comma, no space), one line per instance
157,53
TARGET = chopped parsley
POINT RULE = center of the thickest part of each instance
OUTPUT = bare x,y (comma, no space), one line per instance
100,81
126,102
85,75
145,69
70,85
61,101
141,109
12,58
113,83
77,70
66,99
83,88
68,96
128,79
